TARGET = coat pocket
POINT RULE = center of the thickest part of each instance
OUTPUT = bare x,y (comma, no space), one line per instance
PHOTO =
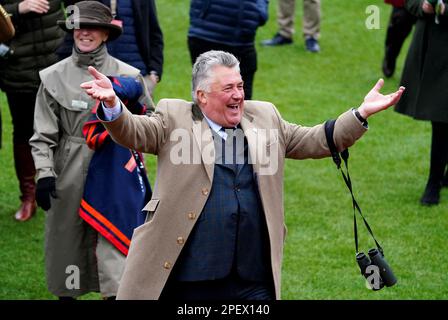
151,208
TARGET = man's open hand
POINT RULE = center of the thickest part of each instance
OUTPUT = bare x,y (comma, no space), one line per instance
100,88
375,102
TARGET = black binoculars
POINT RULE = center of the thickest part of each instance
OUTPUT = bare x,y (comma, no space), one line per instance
376,269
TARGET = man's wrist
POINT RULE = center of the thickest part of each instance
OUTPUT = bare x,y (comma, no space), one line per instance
110,114
360,117
362,112
111,104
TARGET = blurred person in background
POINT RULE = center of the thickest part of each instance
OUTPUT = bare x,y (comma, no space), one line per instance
400,26
285,20
29,51
425,76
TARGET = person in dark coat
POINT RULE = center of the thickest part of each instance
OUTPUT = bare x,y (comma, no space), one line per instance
30,50
425,77
400,26
228,25
141,44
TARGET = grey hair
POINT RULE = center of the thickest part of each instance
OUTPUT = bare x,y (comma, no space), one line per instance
202,69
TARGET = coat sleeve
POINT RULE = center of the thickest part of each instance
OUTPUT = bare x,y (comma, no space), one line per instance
46,133
139,132
310,142
264,11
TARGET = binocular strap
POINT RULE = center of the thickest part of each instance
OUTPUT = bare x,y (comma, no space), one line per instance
329,128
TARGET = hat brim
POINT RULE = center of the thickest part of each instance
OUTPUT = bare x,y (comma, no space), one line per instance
114,30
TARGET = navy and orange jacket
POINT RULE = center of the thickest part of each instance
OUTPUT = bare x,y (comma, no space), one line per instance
117,187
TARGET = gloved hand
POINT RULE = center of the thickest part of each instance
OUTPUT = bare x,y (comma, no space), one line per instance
45,188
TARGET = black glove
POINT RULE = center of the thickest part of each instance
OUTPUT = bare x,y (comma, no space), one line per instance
45,188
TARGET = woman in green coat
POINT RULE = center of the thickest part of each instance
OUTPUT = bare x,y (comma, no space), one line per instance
425,77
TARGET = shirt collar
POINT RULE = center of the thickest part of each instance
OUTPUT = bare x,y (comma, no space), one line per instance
215,127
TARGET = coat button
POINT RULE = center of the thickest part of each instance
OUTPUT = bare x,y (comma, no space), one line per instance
180,240
191,215
205,191
167,265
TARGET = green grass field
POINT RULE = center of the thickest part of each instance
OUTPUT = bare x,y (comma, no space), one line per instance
388,166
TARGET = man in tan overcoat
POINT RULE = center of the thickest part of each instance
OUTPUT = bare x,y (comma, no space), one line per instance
190,175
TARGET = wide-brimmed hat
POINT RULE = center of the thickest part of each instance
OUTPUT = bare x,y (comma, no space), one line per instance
91,14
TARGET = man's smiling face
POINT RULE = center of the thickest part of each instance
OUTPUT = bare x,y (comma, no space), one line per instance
223,103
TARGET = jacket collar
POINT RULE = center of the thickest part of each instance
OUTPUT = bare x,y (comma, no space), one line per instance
94,58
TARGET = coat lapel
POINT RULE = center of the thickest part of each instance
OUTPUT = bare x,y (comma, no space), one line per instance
204,140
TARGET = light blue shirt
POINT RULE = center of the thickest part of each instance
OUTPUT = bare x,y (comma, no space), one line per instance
111,114
216,127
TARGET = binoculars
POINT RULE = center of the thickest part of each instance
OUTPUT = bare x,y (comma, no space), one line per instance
376,269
